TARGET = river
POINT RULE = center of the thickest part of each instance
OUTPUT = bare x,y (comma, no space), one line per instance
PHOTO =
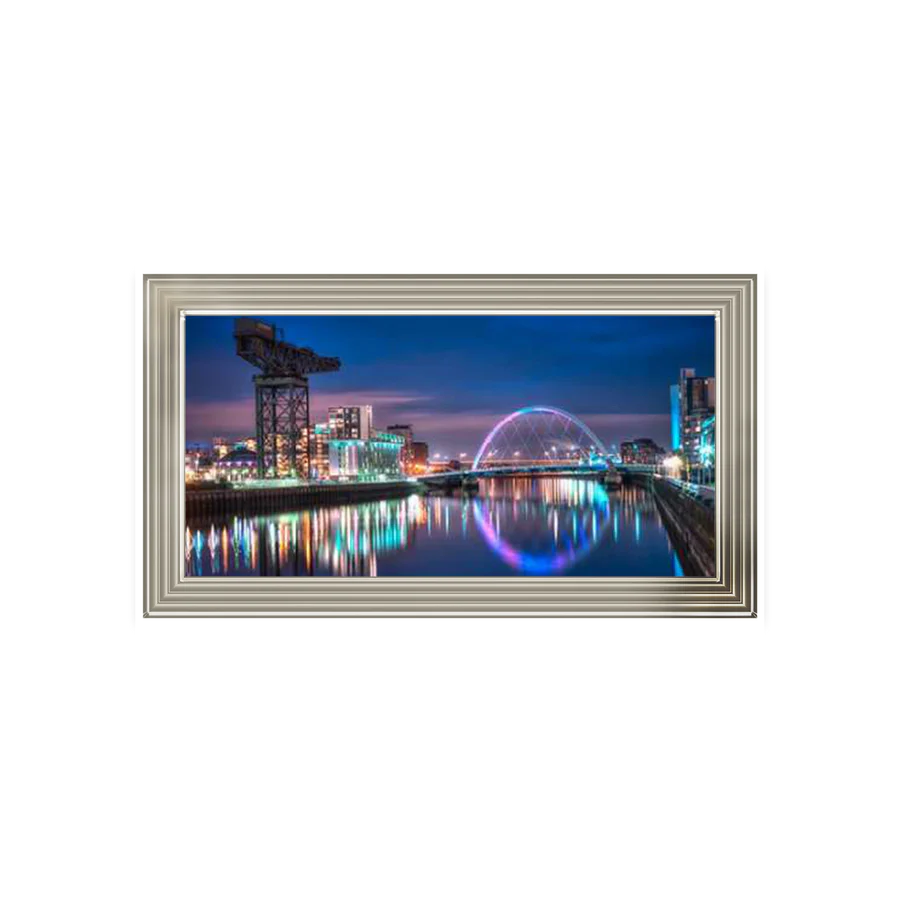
514,526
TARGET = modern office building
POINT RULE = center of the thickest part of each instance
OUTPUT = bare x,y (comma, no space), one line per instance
350,423
693,400
406,432
374,459
676,402
700,404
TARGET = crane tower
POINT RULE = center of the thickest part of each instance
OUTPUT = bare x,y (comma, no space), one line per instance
282,396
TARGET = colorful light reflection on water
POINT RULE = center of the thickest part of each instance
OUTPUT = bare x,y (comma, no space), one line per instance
520,526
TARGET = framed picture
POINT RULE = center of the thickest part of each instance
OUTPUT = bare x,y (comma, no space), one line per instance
449,445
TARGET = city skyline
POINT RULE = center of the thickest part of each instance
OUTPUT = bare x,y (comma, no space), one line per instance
452,377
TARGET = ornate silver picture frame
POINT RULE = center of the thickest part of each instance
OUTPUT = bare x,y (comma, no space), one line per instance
169,299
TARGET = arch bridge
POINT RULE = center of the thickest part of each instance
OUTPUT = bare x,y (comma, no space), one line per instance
533,440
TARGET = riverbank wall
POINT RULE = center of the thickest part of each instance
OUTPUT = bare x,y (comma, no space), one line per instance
690,524
202,502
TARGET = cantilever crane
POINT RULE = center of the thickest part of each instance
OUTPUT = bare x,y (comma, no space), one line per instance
282,396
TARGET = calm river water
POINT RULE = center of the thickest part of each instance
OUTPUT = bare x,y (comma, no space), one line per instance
518,526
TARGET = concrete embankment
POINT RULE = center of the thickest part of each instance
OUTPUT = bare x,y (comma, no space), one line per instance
202,501
690,523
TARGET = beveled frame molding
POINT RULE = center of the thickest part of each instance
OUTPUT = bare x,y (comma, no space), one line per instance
169,298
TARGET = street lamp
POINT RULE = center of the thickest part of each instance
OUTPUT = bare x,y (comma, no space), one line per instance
673,465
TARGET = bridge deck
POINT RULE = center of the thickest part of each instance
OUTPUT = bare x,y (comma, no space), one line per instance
703,492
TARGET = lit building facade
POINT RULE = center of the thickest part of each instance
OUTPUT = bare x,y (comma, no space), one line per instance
199,464
406,432
319,439
418,458
350,423
693,400
283,467
283,457
698,405
237,465
707,448
375,459
642,451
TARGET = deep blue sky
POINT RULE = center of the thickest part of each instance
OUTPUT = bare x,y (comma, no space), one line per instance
452,377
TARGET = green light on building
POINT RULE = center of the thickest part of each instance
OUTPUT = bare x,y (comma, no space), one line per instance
375,459
707,444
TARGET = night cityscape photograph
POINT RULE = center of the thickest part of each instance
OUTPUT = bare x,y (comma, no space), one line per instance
450,445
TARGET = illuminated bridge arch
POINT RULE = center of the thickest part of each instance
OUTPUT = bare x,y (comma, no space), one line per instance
539,435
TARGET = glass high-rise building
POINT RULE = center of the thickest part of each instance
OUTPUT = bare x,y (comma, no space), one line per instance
350,423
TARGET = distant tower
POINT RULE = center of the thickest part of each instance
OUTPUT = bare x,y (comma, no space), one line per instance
282,396
675,408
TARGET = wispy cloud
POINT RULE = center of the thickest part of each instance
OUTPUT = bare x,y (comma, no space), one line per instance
237,418
453,421
228,418
380,401
449,430
618,420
